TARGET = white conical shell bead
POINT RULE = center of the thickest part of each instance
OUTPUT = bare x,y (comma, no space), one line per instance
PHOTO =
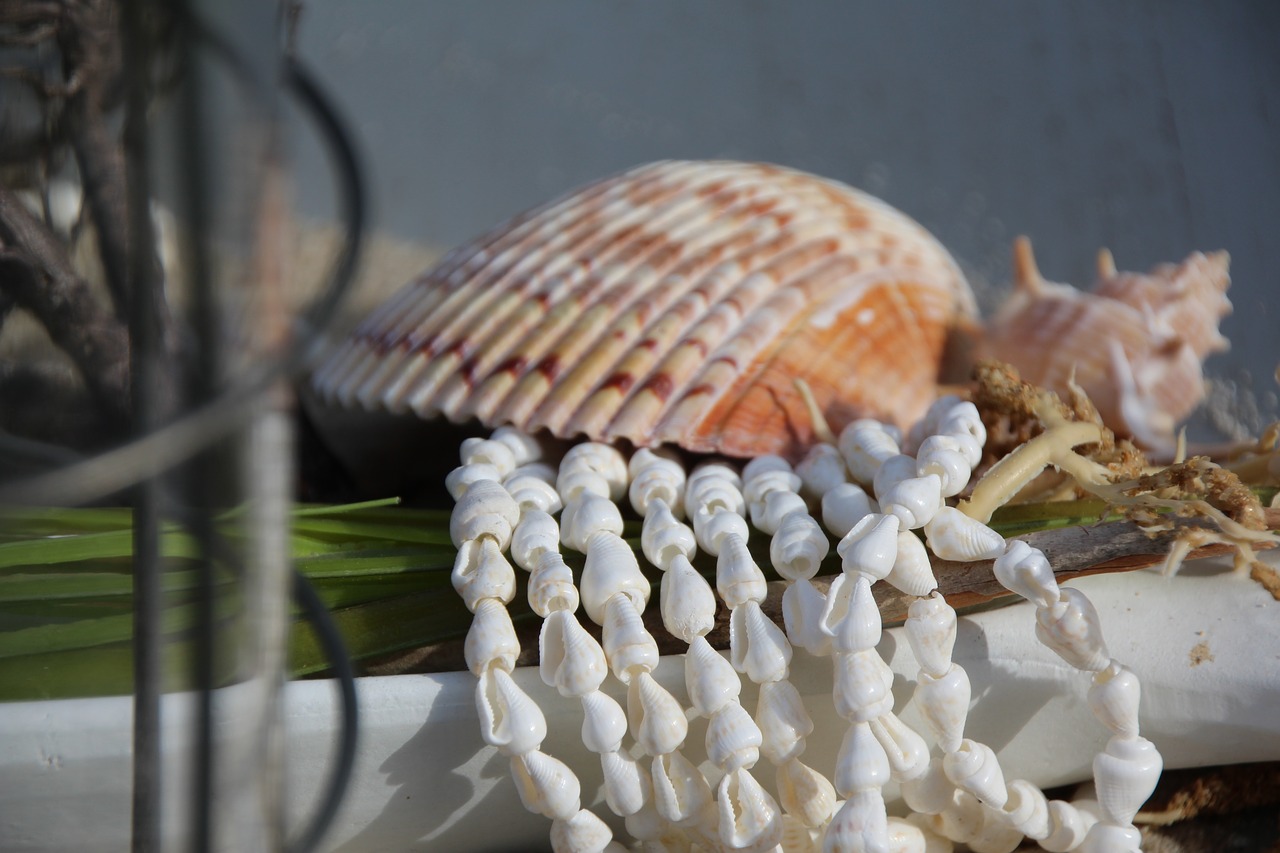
661,458
657,721
509,719
662,537
907,752
944,704
914,500
799,547
687,601
535,535
759,467
626,783
769,513
871,546
733,738
802,609
604,459
582,833
931,792
749,817
865,444
1114,697
546,785
1072,629
859,825
628,645
844,506
481,571
656,484
486,451
963,419
551,585
525,449
531,492
569,658
931,631
861,763
784,722
680,791
892,471
1124,775
962,820
973,768
912,570
1027,809
861,689
804,793
955,536
461,478
943,455
611,568
821,470
491,641
712,527
645,824
1110,838
604,723
905,837
738,578
757,647
1068,826
710,680
1025,570
852,617
583,518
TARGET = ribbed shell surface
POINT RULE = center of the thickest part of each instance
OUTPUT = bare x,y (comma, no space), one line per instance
674,303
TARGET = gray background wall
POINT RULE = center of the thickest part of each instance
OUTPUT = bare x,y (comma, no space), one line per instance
1149,127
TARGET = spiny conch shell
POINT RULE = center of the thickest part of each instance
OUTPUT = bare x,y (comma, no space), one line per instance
569,658
1135,344
546,785
673,303
680,790
749,818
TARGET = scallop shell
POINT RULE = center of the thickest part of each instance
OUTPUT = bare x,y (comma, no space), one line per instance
1134,344
675,302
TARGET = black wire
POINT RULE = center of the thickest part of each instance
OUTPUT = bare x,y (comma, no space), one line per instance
340,776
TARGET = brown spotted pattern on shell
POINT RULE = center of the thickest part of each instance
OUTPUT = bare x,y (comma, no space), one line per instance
1134,344
674,303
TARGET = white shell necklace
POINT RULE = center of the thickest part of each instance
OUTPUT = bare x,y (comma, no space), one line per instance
506,501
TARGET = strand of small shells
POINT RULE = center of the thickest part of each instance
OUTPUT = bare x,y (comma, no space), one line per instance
959,793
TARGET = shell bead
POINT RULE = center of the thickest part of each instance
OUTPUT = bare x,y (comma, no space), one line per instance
821,470
570,659
525,449
907,752
687,602
1071,628
931,631
530,491
1109,838
491,640
912,572
628,645
769,514
767,474
485,509
1067,827
626,783
711,680
891,472
955,536
861,689
733,738
480,571
973,768
654,484
603,459
757,647
784,722
866,445
582,833
871,547
1114,697
486,451
1027,809
914,500
860,824
536,534
749,817
802,609
944,704
738,578
575,485
852,617
798,548
1124,775
1025,570
805,794
931,792
844,506
861,763
584,518
657,721
680,791
509,719
712,529
603,722
766,464
546,785
551,586
663,537
461,478
611,569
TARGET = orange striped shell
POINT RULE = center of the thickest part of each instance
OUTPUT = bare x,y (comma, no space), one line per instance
674,303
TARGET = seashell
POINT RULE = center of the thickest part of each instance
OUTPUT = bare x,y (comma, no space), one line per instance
944,704
955,536
962,420
914,500
784,722
1134,344
1124,775
973,768
1105,838
660,458
859,824
862,689
796,837
646,824
931,792
491,640
769,514
673,303
852,618
536,534
757,647
570,659
657,721
942,456
861,763
1114,697
485,509
687,602
611,568
931,631
1026,809
509,719
1025,570
738,578
749,817
892,471
1071,628
907,752
603,722
656,484
871,546
525,449
821,470
576,484
995,836
582,833
905,837
628,645
551,585
1068,827
586,517
805,794
546,785
530,491
712,527
928,425
460,479
912,572
844,506
710,680
480,571
798,547
486,451
766,474
626,783
733,738
866,445
663,537
962,820
680,791
602,459
802,609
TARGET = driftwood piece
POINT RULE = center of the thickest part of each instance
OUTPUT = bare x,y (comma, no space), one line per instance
1118,546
